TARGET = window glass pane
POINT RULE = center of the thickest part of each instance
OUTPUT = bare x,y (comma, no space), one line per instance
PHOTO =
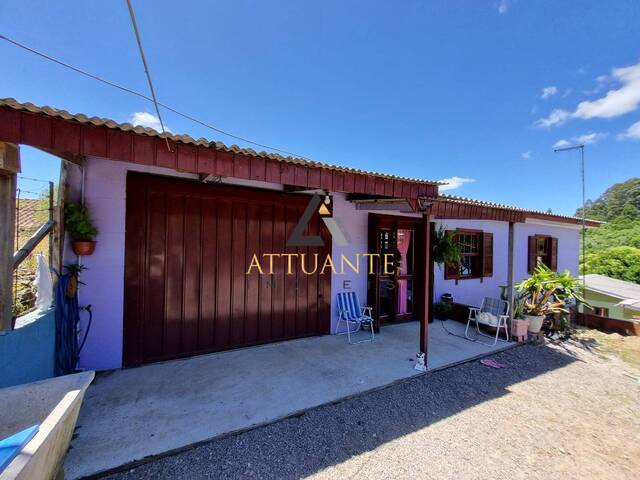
542,246
405,249
387,289
385,240
405,296
470,248
465,266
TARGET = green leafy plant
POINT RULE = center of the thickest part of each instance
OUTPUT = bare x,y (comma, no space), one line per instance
547,292
518,307
622,263
445,247
442,310
78,222
74,269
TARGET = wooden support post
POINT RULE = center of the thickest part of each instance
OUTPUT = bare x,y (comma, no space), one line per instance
51,219
426,291
58,217
9,168
511,244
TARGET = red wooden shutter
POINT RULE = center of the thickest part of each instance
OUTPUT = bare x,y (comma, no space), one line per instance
451,270
487,254
533,253
554,255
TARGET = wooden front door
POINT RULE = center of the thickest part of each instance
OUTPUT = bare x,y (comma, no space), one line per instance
188,248
392,292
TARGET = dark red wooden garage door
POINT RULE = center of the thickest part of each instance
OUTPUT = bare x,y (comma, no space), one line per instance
188,248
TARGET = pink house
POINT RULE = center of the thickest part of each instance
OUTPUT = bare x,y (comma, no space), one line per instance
181,221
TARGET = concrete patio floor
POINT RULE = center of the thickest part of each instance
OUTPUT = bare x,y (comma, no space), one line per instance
131,414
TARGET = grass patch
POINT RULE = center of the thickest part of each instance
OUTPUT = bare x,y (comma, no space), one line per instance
623,347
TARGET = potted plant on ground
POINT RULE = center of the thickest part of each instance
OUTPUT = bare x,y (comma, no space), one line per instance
80,227
446,298
545,293
442,310
519,324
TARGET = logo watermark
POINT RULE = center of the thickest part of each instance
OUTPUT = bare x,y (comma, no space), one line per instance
313,264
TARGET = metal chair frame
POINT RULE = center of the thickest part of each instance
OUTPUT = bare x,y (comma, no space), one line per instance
474,313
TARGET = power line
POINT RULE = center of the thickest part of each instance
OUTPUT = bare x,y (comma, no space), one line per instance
32,179
146,67
145,97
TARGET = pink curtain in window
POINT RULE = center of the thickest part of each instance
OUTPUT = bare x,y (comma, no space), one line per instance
403,247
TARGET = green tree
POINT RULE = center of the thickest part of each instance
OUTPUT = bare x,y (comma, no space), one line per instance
612,203
617,233
614,248
616,262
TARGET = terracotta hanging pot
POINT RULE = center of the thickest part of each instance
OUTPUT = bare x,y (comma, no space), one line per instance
83,247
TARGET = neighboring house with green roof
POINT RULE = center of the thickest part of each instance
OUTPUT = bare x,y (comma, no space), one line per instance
612,298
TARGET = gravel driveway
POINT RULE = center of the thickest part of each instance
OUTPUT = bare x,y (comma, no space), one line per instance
552,413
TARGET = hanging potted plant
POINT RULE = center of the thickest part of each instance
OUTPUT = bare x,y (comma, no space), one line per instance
546,293
445,249
80,227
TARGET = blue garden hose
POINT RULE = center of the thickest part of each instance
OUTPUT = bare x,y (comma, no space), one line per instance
67,352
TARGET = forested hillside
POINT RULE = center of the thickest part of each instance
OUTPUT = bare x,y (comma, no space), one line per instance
614,248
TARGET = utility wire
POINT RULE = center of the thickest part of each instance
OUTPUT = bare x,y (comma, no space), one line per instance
146,68
32,179
145,97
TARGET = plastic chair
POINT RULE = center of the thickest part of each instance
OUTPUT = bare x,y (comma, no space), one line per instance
353,315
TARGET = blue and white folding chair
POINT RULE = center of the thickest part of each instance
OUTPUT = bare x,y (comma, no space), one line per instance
493,313
353,315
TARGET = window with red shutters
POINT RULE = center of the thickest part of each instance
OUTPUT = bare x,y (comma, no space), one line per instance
542,249
477,255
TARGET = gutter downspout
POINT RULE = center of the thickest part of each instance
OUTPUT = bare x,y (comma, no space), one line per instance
510,248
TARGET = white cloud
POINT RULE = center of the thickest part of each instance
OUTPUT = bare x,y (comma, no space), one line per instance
567,92
562,143
455,182
631,133
556,117
601,82
548,92
503,7
586,139
615,103
526,155
146,119
589,138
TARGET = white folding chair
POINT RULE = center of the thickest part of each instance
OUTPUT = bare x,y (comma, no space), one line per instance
353,315
493,313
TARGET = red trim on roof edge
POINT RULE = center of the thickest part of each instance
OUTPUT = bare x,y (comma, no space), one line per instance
72,137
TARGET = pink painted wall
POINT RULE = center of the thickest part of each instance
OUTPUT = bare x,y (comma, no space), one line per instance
472,291
105,195
355,225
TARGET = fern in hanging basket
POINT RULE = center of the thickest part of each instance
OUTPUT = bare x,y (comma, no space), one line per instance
445,248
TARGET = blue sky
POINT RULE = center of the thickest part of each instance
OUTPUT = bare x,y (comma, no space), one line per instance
480,90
